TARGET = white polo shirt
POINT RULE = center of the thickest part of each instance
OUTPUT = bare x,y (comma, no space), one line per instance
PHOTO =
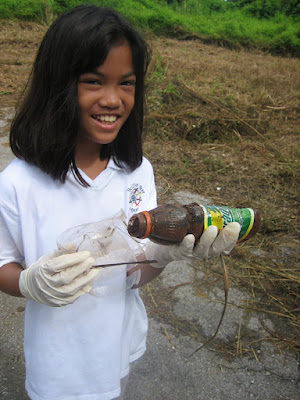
82,350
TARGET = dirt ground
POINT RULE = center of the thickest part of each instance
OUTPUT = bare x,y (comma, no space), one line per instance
223,124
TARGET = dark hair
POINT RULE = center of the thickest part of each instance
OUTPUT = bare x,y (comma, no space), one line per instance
44,131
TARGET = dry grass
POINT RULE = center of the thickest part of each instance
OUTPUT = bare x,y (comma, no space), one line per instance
18,46
224,124
228,124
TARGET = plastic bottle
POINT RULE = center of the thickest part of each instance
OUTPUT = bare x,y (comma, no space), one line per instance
170,223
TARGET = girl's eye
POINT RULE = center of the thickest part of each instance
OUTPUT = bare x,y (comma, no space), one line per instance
91,82
128,83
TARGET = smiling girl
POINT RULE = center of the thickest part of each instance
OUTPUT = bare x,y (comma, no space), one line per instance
77,137
105,100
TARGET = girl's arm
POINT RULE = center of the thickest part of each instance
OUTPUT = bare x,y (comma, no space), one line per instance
148,273
211,244
9,279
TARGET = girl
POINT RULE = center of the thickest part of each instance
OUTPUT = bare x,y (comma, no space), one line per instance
78,141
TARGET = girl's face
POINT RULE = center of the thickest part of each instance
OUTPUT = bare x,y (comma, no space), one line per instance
106,97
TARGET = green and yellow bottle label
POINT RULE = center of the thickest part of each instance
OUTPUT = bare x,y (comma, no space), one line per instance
221,216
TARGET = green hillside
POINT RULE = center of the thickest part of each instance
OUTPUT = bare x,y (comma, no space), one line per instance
270,25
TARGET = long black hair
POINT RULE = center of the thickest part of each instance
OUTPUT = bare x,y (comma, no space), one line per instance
44,131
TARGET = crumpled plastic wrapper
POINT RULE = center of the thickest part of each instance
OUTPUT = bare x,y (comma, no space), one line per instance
109,243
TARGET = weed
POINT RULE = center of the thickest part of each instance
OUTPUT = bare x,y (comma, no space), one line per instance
213,164
160,69
170,90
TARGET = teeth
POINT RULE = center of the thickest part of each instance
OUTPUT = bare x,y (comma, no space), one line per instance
106,118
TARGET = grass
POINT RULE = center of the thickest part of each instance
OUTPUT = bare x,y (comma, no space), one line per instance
224,25
231,134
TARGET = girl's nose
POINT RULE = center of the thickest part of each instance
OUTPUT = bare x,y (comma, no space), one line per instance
109,97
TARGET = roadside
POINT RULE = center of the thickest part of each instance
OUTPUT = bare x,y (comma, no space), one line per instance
184,307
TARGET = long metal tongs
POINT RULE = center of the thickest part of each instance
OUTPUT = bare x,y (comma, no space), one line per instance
124,263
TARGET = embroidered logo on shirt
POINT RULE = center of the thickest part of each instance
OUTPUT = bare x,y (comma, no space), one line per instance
135,197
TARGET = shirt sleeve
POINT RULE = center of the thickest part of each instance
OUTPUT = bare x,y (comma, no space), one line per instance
151,198
152,194
11,247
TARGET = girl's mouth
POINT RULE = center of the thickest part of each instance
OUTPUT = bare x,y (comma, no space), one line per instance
105,119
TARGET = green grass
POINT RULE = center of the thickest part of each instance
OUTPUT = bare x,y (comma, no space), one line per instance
225,25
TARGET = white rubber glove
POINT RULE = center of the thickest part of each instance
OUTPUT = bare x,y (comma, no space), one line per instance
57,280
210,245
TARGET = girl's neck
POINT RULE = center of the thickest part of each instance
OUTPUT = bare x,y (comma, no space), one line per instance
87,158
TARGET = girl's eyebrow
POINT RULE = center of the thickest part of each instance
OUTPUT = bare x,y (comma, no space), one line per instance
129,74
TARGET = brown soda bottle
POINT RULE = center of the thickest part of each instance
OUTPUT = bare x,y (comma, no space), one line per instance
169,223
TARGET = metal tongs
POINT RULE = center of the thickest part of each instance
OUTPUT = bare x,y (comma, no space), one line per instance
124,263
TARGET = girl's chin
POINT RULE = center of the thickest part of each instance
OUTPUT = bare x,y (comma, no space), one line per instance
99,140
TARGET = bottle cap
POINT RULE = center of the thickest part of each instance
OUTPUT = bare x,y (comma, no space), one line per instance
139,225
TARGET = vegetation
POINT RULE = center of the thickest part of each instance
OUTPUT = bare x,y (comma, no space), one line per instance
270,25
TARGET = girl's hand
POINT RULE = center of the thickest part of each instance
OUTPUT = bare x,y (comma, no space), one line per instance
58,280
210,245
